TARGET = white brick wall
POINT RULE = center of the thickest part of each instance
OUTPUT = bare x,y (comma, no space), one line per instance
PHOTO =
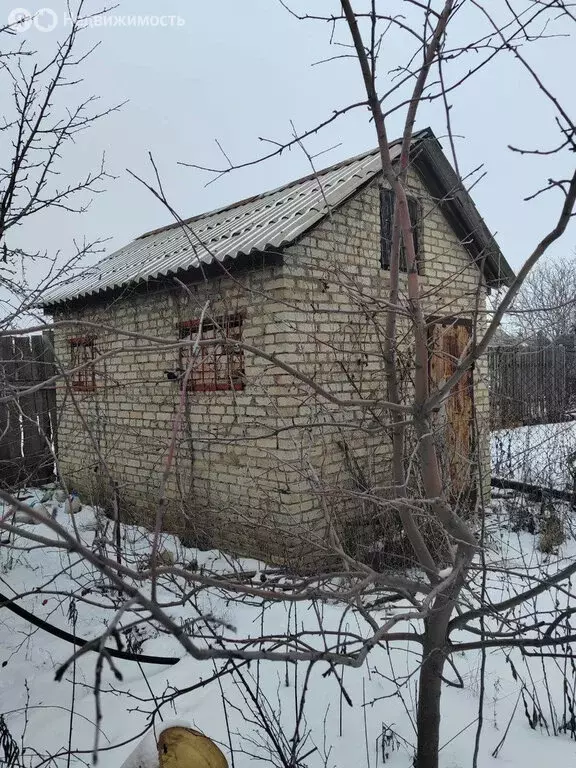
262,470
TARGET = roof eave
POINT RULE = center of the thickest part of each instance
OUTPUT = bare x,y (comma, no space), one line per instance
459,209
270,256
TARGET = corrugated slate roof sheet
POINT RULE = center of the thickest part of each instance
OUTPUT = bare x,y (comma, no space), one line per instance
268,221
276,219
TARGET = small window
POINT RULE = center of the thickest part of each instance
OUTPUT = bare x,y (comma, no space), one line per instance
218,366
83,353
387,198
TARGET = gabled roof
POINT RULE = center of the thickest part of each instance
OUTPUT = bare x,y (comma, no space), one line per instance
276,219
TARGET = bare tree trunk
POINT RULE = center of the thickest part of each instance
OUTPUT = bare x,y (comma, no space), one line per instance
428,716
430,684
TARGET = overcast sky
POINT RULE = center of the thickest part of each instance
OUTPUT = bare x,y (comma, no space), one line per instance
235,71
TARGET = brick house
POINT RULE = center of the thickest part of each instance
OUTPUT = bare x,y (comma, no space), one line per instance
301,273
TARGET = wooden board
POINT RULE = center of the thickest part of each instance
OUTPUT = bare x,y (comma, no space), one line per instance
26,417
10,433
454,424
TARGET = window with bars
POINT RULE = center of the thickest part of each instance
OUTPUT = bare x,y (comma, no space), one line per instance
83,353
387,199
218,366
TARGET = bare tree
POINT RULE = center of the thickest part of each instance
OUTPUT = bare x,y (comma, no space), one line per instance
40,120
546,305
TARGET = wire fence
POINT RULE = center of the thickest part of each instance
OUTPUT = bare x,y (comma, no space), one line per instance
530,385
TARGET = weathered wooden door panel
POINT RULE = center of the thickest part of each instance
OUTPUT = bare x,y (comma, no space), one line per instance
454,423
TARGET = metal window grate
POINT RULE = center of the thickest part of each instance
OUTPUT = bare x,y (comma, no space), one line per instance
218,366
83,353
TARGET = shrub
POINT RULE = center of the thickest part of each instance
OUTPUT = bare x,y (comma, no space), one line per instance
551,532
163,558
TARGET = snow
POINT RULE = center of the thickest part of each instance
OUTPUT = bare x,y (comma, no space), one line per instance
146,755
350,719
537,454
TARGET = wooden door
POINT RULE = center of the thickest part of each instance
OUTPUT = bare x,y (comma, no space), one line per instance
454,422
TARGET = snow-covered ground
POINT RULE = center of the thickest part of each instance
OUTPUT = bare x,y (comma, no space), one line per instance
364,718
538,454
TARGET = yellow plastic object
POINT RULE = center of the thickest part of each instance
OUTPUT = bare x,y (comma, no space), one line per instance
185,748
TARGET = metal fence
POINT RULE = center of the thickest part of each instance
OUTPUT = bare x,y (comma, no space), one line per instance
529,385
27,421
